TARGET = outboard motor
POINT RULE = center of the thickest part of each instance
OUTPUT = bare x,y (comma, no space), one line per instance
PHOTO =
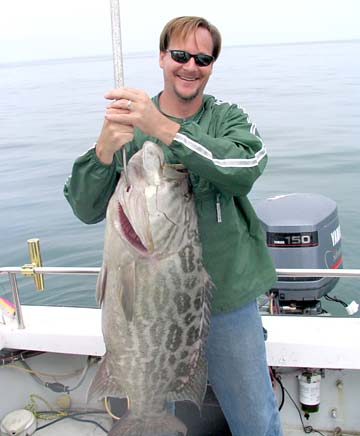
302,231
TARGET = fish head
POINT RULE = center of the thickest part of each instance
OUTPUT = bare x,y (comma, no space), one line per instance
151,202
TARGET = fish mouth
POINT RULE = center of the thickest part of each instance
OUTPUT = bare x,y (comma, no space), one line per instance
129,232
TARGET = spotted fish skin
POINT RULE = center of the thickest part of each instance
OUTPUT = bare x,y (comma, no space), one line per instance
154,292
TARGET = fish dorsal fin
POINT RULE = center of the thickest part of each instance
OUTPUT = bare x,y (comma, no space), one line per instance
101,284
128,292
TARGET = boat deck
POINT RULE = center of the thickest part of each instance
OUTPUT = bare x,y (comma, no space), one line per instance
70,427
339,393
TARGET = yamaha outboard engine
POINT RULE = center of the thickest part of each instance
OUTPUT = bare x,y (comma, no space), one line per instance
302,231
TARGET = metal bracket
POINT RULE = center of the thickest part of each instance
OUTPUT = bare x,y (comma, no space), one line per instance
36,261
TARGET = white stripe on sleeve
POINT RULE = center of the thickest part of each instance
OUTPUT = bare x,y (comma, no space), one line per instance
225,163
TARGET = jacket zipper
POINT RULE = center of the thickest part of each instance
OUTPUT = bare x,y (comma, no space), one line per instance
218,208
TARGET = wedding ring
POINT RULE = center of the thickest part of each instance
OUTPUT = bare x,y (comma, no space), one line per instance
129,104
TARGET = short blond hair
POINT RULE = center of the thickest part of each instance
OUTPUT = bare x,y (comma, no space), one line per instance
181,27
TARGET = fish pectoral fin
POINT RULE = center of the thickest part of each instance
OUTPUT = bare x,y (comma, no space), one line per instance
104,384
195,389
101,284
127,295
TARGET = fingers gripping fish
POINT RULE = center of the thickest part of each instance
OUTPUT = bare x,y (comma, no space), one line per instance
154,293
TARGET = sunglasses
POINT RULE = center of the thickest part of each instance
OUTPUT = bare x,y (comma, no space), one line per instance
182,57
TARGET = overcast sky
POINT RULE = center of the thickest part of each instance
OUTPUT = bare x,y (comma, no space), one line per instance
46,29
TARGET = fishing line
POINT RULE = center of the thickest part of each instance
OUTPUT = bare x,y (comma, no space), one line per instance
118,59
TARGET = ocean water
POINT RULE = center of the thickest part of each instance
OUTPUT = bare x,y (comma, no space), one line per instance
304,98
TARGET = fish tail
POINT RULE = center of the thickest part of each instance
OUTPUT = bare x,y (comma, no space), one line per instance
165,425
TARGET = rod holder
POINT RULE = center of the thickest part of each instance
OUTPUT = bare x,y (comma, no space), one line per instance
36,261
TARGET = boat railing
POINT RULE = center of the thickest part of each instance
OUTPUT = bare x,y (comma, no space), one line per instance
38,271
281,272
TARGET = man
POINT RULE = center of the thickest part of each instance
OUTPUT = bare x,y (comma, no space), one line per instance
224,154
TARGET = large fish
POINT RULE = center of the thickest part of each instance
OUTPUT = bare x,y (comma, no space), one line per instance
154,293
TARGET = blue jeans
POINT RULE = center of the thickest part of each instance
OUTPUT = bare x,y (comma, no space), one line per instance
238,373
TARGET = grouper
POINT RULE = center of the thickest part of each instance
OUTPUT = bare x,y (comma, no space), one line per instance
154,293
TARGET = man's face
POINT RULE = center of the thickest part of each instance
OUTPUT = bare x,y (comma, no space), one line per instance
187,81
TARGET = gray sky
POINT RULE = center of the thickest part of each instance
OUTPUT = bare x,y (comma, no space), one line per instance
46,29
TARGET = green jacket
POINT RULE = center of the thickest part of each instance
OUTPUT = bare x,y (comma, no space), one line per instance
224,154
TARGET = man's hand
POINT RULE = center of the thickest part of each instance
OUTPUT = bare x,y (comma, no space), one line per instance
133,107
113,137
